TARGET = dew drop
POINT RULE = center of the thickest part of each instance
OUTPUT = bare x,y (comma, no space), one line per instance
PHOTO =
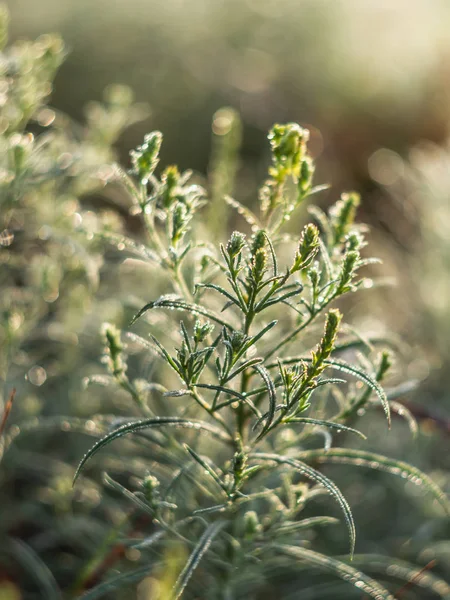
37,375
133,554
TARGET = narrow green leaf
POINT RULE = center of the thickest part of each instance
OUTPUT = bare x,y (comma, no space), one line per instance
293,527
115,485
411,574
365,584
272,394
255,338
35,567
402,411
272,252
281,298
175,303
330,381
231,392
245,365
379,462
221,290
339,365
164,354
197,554
317,477
331,424
204,464
147,424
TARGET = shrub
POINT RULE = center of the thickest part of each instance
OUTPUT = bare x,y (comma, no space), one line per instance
226,467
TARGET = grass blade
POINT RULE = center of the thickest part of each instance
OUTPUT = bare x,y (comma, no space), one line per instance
230,392
331,424
354,577
272,398
208,469
379,462
148,424
115,485
197,554
175,303
414,576
34,565
317,477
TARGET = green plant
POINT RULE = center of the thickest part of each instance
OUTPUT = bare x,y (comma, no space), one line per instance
226,467
50,166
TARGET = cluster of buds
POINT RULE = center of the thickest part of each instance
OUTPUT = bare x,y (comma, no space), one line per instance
145,158
235,244
201,331
289,159
326,344
307,248
288,144
151,491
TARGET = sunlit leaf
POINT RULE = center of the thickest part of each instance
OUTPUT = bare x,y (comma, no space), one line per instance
413,575
317,477
353,576
174,303
360,458
156,422
323,423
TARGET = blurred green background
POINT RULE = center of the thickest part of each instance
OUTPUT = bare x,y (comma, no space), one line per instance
363,76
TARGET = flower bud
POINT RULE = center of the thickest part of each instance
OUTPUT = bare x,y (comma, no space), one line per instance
180,219
348,266
169,179
202,330
332,322
145,158
151,491
239,463
307,249
258,241
288,144
235,244
307,169
259,264
237,338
